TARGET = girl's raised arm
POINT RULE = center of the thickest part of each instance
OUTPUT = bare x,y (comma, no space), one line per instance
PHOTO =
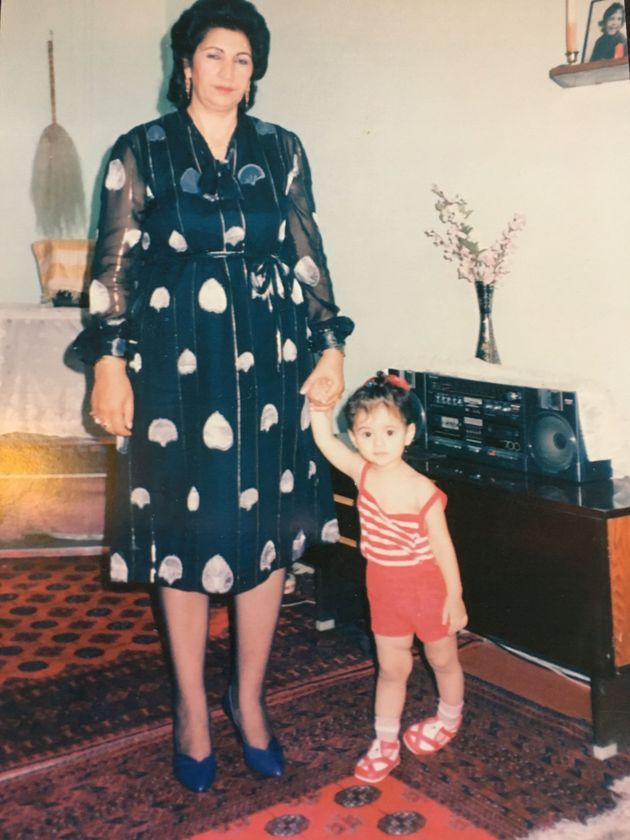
339,455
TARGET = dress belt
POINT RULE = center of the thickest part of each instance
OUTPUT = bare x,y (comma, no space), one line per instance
261,269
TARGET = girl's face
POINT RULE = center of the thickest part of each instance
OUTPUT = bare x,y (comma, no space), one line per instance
614,23
381,435
221,70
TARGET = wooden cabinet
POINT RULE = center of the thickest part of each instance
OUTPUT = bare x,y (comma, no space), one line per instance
53,458
545,569
52,495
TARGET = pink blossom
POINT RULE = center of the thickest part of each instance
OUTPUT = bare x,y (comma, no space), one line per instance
518,222
457,244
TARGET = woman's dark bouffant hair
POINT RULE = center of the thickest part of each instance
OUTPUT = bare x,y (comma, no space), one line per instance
190,29
382,389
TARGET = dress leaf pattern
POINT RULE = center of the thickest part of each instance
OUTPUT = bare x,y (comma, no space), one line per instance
210,278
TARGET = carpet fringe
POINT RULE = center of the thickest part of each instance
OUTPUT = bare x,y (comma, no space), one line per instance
611,825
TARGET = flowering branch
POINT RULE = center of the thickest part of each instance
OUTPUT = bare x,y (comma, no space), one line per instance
485,265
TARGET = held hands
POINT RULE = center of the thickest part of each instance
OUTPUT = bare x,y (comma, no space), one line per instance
454,613
325,384
112,397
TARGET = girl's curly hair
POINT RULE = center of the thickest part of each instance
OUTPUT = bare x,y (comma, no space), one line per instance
382,389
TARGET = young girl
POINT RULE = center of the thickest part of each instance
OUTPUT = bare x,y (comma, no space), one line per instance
612,43
413,580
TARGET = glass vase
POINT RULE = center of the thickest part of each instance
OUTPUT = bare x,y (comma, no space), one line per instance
486,345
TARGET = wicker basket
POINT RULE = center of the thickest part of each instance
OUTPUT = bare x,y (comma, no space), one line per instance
64,266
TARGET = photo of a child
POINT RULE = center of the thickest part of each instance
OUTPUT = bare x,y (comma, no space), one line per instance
606,36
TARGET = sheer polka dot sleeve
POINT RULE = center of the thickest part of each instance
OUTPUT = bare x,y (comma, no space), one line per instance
305,253
118,242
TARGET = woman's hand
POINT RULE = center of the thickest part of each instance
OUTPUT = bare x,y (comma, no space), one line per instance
454,613
325,384
112,396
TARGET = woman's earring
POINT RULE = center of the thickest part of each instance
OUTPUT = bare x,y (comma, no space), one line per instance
247,98
188,86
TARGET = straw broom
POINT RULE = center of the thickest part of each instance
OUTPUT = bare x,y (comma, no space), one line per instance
56,183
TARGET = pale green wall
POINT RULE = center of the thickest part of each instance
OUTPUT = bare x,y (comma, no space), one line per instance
108,77
389,97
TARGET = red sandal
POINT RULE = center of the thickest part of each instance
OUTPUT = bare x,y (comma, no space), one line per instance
378,762
428,736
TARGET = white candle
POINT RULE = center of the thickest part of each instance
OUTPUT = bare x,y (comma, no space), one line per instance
571,30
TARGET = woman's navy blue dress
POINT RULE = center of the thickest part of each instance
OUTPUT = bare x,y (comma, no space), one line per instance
210,279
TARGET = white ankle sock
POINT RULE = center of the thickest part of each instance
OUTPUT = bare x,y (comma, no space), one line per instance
449,715
387,729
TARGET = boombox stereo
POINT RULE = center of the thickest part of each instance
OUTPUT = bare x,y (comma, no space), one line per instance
532,430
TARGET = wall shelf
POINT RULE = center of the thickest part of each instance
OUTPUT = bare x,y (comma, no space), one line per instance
590,73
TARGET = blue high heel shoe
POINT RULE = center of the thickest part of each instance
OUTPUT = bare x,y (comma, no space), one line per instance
268,762
195,775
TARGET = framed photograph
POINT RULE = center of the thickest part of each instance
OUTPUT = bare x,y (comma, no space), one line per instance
606,36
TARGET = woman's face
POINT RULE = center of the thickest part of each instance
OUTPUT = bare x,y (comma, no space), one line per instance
221,70
614,23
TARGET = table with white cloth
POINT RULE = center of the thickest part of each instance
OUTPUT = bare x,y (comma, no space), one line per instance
52,462
43,392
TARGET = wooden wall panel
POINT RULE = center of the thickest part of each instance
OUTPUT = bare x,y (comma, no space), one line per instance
619,555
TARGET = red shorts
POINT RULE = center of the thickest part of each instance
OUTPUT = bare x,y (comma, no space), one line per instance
407,599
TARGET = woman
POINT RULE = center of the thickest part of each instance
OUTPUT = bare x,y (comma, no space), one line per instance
210,294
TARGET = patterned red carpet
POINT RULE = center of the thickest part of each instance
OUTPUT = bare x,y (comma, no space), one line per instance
361,812
86,733
56,615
